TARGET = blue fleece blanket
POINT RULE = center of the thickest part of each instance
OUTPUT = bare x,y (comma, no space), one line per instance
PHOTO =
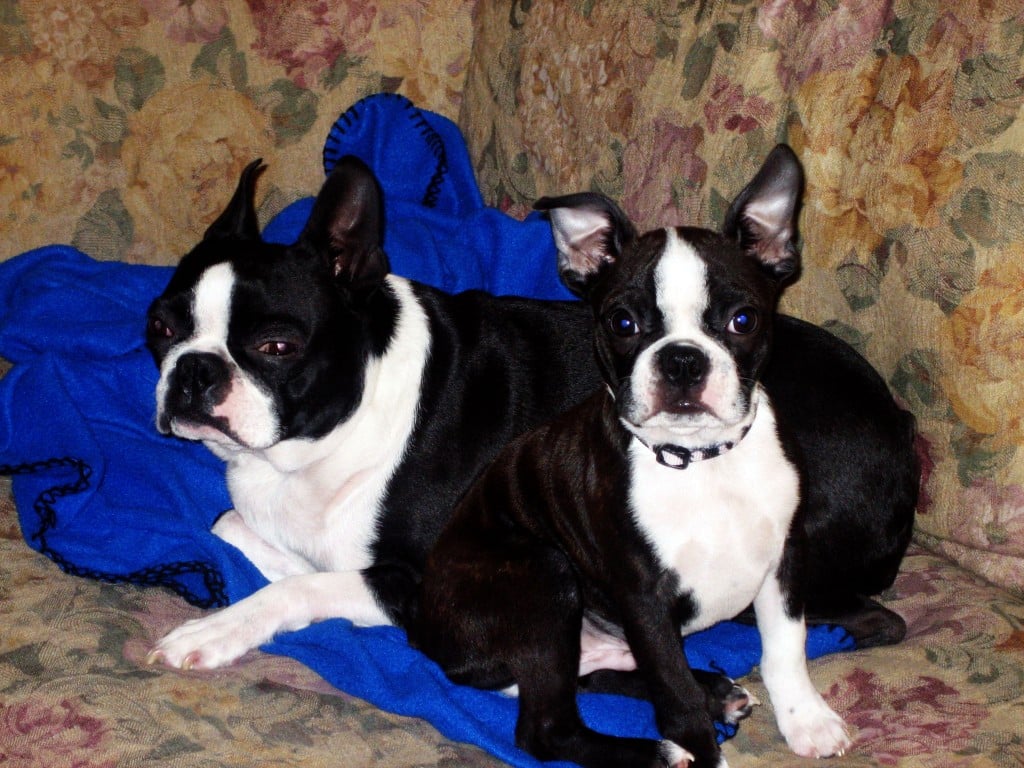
104,496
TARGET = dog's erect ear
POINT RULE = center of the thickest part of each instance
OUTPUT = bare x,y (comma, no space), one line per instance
763,216
590,232
346,225
239,218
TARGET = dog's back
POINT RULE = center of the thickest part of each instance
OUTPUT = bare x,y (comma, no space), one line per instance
857,448
497,367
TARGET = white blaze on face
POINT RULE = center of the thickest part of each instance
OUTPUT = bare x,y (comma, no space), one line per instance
681,282
211,307
682,294
249,410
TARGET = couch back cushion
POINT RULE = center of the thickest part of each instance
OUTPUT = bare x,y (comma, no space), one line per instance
126,124
906,118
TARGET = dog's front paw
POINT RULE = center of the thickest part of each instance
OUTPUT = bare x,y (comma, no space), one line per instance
813,729
671,755
207,643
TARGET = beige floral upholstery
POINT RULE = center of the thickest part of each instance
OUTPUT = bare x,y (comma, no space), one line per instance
123,126
126,124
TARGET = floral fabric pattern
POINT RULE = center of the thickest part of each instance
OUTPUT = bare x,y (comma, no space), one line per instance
75,691
125,124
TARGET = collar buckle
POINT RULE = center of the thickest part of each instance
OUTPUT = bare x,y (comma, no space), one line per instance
678,457
673,456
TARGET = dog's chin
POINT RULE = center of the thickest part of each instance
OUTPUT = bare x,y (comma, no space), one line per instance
692,425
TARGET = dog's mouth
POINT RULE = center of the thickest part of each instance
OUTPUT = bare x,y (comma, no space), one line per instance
694,430
700,419
664,409
202,427
686,421
685,407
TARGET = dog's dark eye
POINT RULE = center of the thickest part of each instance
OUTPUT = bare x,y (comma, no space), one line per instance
159,329
621,323
743,322
277,348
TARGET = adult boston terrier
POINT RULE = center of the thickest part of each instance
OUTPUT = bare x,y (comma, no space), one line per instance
354,407
674,497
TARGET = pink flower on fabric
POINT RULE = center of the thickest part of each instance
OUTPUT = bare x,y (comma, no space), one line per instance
811,42
190,21
728,106
663,169
308,38
37,733
907,717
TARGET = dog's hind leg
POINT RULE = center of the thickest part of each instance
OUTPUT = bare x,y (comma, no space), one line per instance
550,728
868,622
727,701
544,663
521,628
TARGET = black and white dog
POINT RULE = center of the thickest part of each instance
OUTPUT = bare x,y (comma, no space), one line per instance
354,408
669,500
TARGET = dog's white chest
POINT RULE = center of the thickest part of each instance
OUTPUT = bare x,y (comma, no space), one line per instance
720,524
329,525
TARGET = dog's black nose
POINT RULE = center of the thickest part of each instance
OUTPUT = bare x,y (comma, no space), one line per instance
200,381
682,365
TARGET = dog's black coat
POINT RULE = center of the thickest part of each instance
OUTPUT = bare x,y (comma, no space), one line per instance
509,584
861,476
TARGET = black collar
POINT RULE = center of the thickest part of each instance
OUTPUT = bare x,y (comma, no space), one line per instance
677,457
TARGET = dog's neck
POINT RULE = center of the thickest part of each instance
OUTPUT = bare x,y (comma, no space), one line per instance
676,456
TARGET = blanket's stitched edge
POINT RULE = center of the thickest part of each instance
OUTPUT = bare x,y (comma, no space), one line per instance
157,576
433,140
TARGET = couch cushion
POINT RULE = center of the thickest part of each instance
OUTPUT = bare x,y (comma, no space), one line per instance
126,124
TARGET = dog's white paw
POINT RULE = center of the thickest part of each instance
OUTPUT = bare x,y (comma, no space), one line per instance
674,756
813,729
207,643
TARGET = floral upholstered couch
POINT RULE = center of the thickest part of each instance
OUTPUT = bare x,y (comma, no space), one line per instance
123,126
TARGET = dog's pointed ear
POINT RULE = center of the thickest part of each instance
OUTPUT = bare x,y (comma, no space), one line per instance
346,225
590,233
763,217
239,218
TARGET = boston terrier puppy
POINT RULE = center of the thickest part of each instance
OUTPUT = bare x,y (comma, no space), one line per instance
672,498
